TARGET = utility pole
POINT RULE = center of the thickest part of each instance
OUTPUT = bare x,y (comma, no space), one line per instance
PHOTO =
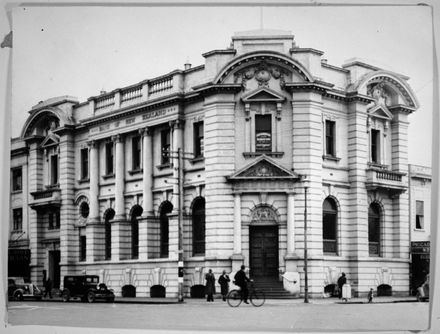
306,278
180,222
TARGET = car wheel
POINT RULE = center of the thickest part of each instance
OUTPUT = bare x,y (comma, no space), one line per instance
91,296
65,296
18,296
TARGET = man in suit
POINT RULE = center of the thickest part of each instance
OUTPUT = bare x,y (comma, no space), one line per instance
241,280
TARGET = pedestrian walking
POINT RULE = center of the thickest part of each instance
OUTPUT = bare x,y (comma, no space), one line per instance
48,285
370,296
241,280
210,286
224,284
341,281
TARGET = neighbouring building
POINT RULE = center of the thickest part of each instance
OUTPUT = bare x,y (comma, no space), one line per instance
232,149
420,178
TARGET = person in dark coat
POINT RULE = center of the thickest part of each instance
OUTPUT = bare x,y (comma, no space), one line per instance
241,280
223,281
48,285
210,286
341,281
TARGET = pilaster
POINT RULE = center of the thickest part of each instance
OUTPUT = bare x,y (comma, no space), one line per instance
94,181
147,165
119,178
219,163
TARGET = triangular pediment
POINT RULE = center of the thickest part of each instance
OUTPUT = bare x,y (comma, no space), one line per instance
51,140
263,168
263,94
380,111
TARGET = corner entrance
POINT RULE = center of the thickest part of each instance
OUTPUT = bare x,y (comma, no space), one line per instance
263,251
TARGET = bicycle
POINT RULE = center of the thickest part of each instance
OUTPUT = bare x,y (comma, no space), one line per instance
256,297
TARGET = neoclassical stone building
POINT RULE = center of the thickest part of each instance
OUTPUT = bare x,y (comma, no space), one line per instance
98,186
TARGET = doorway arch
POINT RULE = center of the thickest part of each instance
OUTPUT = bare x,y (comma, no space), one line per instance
263,242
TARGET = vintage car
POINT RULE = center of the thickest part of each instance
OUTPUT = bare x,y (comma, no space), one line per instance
18,289
87,288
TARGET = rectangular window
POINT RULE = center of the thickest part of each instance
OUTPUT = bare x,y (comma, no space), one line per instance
17,179
54,220
17,217
198,140
420,212
375,146
54,169
165,146
263,133
84,163
330,138
109,158
82,248
136,153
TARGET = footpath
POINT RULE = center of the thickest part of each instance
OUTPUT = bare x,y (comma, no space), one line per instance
202,301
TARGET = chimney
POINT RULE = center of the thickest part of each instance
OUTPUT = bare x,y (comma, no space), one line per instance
187,66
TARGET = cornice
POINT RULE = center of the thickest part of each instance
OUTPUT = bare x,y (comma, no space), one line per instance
214,52
306,50
20,151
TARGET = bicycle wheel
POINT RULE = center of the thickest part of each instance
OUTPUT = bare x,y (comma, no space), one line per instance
257,298
234,298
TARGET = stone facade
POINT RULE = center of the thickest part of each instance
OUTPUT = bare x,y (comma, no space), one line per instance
231,148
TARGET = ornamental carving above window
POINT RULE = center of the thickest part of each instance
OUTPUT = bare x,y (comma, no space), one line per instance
262,73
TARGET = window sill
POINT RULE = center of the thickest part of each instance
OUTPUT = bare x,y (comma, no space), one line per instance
163,166
376,165
84,180
331,158
16,191
135,171
419,230
197,159
257,154
53,228
53,186
108,176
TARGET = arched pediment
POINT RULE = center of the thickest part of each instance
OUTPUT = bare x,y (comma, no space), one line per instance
262,66
263,95
387,89
40,121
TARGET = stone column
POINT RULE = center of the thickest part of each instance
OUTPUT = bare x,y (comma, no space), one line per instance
147,165
247,129
237,223
121,228
147,191
399,154
177,130
94,231
119,177
94,182
290,223
237,256
278,128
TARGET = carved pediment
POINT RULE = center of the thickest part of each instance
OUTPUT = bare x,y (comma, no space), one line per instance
263,168
380,111
263,94
51,140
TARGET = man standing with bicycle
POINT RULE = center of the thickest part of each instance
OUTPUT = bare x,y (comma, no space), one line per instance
241,280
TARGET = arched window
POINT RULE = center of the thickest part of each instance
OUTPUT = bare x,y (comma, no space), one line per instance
108,216
84,209
165,209
136,211
198,226
329,226
374,229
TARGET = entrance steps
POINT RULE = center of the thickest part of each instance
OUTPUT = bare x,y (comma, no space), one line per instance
272,288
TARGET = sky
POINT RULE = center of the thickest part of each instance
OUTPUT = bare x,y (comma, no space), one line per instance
79,51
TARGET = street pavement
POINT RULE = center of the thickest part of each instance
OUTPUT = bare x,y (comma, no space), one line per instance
386,313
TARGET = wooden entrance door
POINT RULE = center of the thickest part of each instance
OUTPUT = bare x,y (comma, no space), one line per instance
54,267
263,251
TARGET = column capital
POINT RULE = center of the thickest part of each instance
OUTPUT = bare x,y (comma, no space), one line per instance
92,143
147,131
177,124
117,138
